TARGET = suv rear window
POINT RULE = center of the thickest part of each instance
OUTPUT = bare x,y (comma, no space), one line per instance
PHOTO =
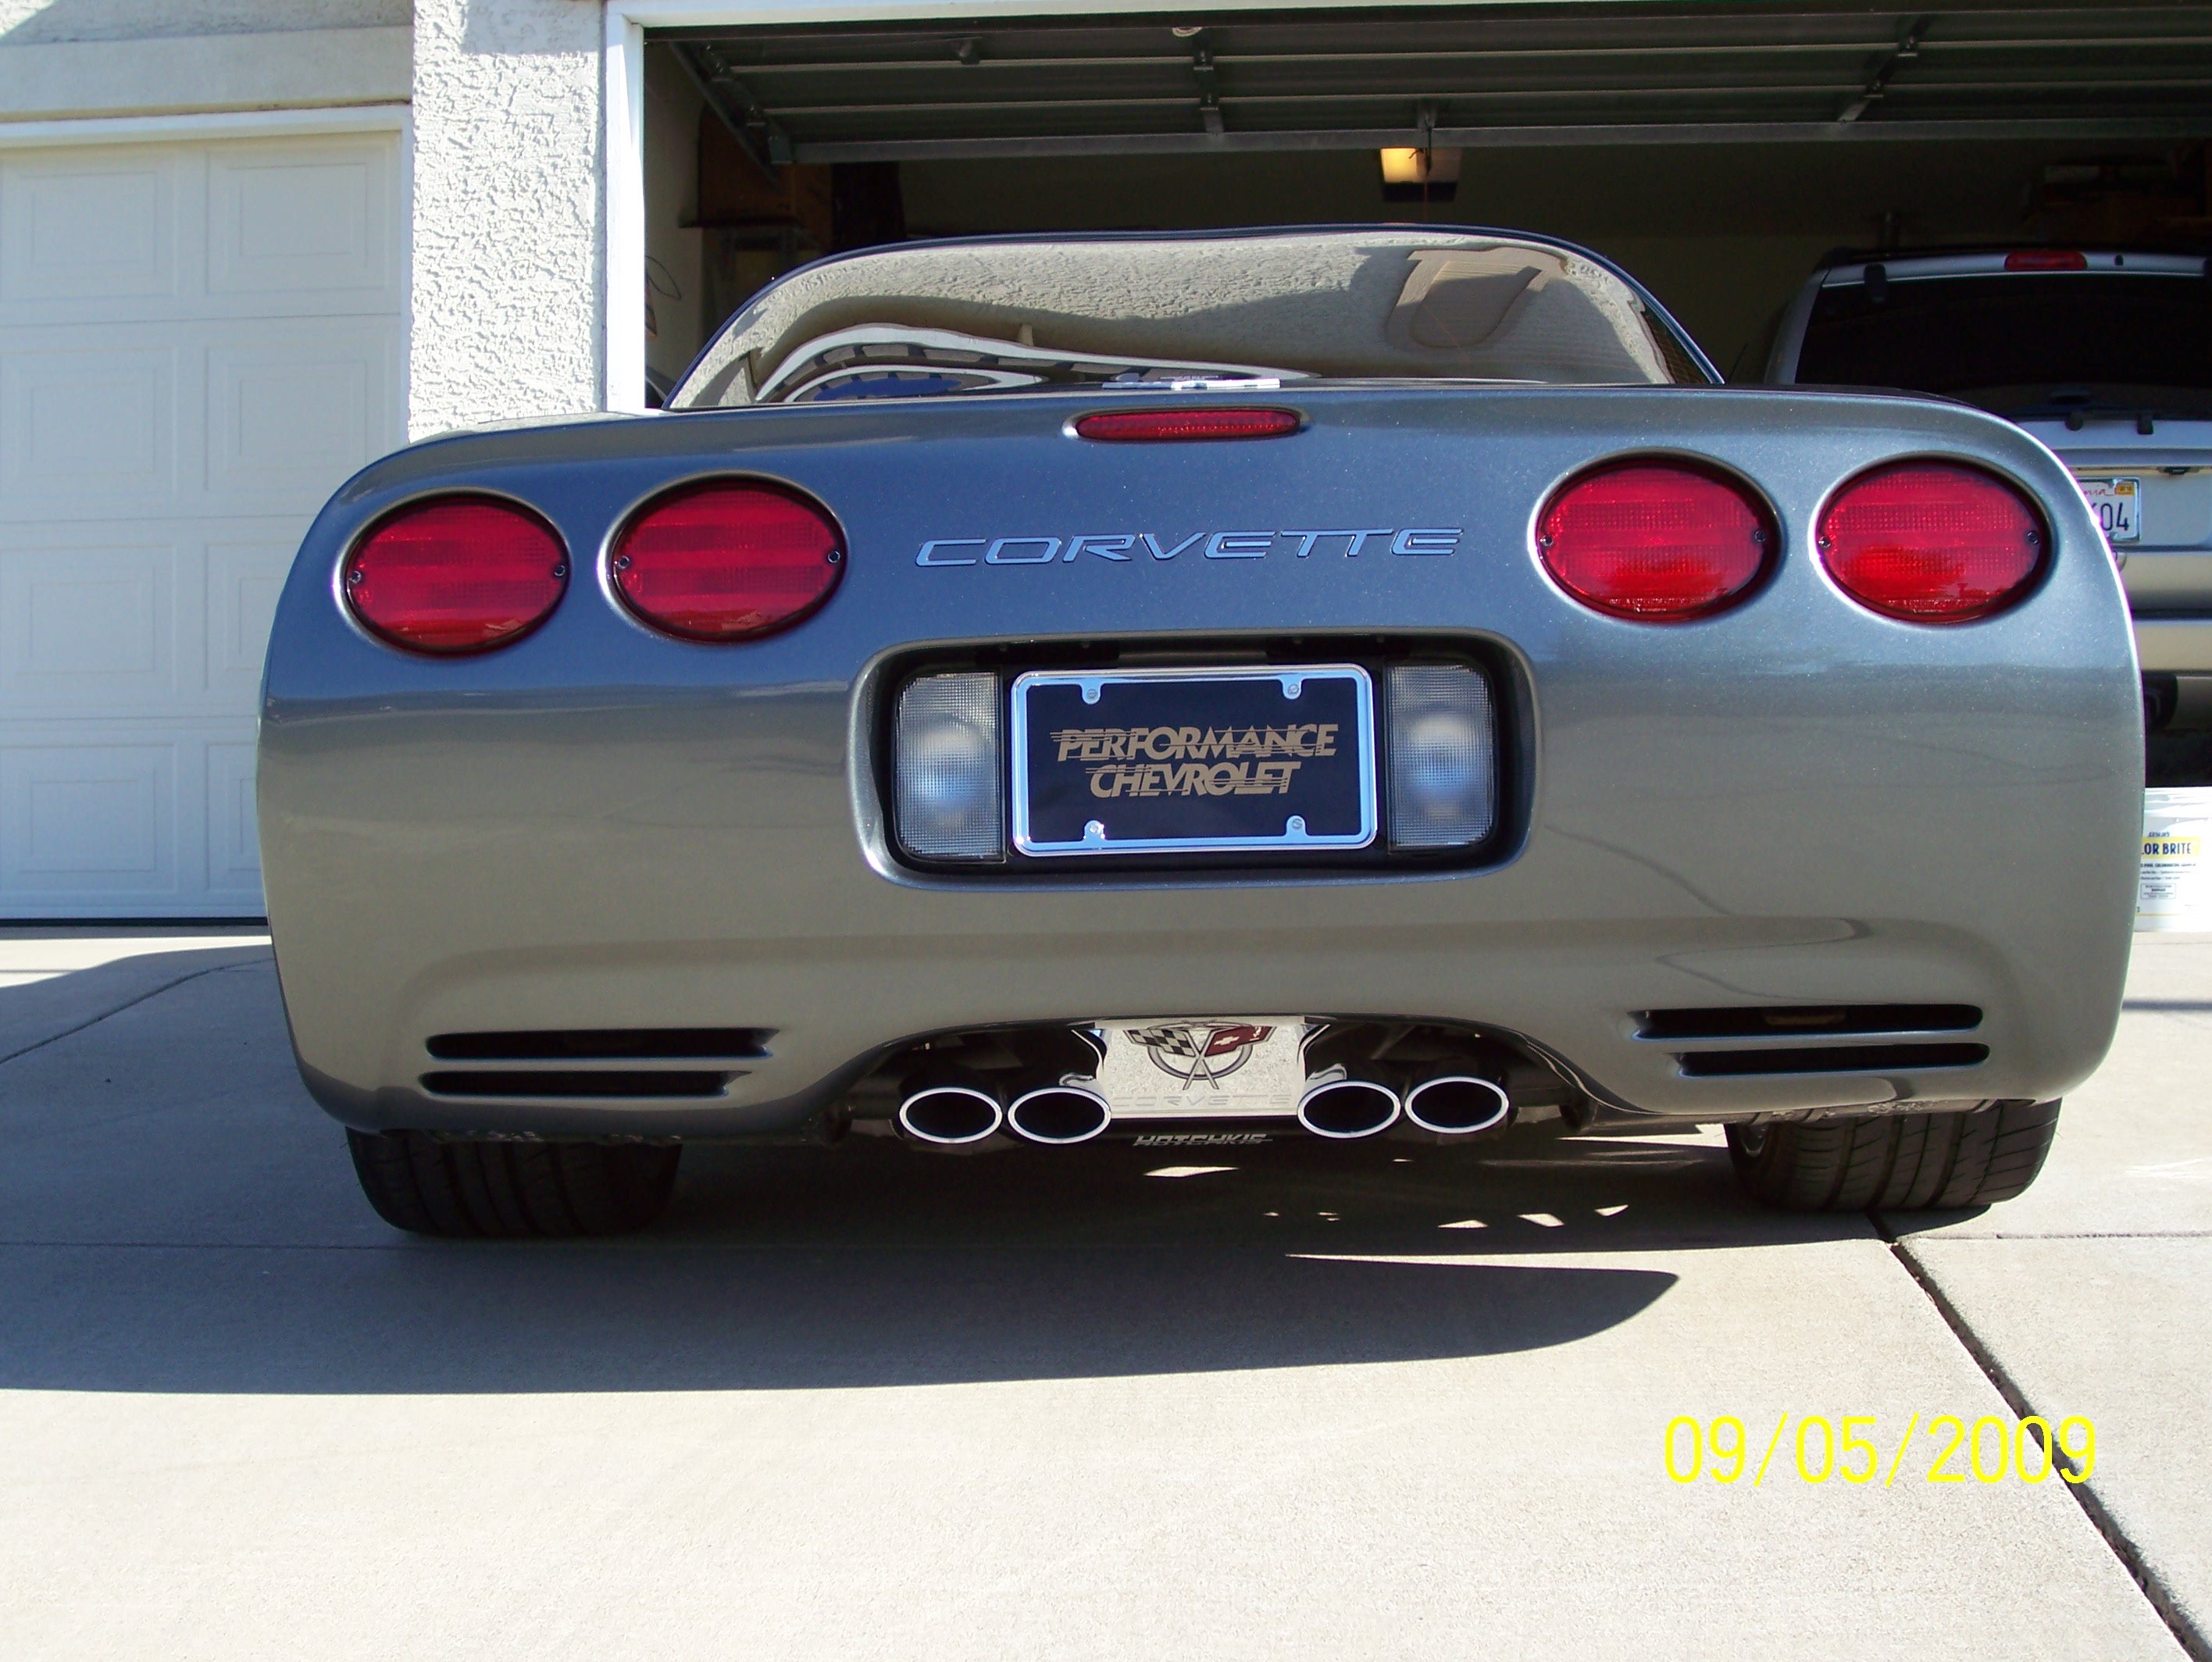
2021,345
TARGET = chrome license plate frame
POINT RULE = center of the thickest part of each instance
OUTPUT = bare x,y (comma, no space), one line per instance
1231,776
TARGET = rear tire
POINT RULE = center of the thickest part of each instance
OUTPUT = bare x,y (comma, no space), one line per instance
457,1186
1902,1162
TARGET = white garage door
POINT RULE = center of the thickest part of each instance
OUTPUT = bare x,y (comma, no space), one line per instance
198,342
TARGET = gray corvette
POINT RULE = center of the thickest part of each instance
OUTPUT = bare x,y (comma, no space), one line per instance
1321,685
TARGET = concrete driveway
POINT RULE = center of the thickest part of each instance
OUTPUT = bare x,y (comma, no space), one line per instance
1382,1401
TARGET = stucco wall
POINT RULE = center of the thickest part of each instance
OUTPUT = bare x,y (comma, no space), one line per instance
508,210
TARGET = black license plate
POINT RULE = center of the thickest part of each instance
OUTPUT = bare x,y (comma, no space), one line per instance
1188,761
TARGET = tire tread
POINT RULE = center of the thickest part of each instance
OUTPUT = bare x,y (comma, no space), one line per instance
461,1187
1897,1162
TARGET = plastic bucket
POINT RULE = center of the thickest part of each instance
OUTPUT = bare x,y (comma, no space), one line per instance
2175,888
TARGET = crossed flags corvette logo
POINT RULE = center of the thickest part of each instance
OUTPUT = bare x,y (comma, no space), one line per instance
1125,546
1190,1054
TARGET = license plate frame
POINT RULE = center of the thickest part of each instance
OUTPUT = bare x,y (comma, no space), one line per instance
1348,818
2123,494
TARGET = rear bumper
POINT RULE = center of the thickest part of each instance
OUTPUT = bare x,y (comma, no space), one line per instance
2182,645
462,871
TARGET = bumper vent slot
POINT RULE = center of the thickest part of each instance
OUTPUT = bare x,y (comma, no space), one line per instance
1829,1059
1770,1020
601,1044
577,1081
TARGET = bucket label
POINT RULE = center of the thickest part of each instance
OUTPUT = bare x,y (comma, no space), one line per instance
2174,889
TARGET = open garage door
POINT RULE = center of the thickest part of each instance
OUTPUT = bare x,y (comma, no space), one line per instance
1717,150
1488,76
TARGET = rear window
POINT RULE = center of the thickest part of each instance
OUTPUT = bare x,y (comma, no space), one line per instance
1018,314
2021,345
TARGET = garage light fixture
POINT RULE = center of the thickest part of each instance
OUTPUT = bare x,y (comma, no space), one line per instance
1420,172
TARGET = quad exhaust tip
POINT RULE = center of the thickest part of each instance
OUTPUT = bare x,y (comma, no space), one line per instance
1458,1104
1347,1108
1058,1114
949,1115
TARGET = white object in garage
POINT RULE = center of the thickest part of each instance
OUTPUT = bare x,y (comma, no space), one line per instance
198,342
2175,890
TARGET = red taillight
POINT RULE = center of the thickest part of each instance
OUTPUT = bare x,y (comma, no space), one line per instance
1655,541
2046,259
1931,542
457,575
1142,426
723,560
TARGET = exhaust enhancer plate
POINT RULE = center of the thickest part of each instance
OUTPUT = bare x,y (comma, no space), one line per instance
1213,1067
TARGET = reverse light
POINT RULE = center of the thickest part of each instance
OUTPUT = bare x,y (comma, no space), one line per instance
1152,426
1657,542
728,559
2046,259
1931,542
456,574
1443,756
949,792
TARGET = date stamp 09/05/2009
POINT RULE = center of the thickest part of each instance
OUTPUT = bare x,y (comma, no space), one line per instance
1991,1448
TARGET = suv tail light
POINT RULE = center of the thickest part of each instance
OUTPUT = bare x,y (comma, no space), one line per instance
456,574
727,560
1659,542
2046,259
1931,542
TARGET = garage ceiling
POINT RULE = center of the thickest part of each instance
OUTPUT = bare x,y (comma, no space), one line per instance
1469,75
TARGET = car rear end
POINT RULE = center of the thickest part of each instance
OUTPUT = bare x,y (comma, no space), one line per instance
1802,849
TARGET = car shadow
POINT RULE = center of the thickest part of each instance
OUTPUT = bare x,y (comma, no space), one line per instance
179,1217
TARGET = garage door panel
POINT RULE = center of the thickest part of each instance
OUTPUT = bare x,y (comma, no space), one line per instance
88,629
290,418
220,417
199,343
233,846
88,425
96,819
311,218
82,224
243,582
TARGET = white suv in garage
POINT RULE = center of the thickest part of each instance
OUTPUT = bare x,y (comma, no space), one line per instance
2105,356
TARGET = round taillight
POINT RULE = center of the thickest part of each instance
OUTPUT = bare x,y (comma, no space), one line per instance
1656,541
1931,542
724,560
457,575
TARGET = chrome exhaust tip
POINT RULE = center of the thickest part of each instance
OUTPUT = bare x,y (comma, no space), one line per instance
949,1115
1058,1114
1345,1108
1458,1105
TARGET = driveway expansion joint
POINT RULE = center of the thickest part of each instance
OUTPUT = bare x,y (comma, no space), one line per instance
2185,1632
116,1010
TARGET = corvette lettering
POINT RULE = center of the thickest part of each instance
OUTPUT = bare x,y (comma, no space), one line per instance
1123,547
